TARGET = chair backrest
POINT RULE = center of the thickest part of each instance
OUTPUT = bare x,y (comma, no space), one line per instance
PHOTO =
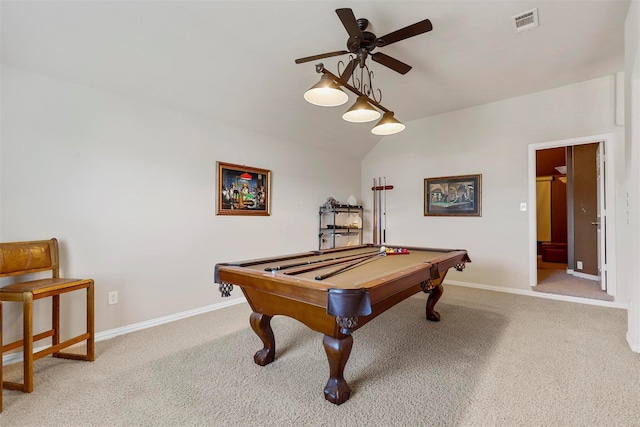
29,257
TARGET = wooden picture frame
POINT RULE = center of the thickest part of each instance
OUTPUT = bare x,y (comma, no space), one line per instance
453,196
243,190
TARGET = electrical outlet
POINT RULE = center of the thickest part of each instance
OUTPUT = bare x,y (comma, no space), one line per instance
579,265
113,297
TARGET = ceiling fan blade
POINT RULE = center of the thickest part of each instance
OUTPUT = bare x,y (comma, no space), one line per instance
348,71
349,21
321,56
406,32
390,62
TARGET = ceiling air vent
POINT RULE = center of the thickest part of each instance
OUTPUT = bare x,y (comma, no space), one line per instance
525,20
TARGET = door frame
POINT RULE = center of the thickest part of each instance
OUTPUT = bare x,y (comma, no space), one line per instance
610,214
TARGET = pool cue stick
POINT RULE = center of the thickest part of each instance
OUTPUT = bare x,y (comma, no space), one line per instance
384,230
350,266
375,213
379,210
379,239
284,267
379,223
375,209
326,263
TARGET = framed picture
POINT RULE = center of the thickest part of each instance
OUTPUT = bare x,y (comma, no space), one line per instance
243,190
453,196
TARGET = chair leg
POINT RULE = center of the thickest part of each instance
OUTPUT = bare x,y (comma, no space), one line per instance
28,339
90,324
27,313
1,356
55,319
89,334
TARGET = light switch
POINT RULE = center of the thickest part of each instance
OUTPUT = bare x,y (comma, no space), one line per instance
523,207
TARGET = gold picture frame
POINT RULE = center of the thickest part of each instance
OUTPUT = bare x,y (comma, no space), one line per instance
453,196
243,190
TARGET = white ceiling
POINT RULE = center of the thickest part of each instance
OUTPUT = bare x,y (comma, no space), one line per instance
234,60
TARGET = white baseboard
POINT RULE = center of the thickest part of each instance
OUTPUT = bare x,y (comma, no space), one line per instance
633,345
531,293
583,275
112,333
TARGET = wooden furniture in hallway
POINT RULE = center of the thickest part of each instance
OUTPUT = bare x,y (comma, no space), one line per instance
554,252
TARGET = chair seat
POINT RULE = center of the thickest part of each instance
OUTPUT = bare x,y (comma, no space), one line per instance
42,286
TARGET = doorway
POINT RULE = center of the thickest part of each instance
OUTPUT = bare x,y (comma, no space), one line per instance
569,249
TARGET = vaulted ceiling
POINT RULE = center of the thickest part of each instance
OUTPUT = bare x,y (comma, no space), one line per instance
233,61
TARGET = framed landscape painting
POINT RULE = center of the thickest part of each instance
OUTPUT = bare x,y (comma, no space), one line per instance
453,196
243,190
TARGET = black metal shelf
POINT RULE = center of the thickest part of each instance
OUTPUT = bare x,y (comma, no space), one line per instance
328,231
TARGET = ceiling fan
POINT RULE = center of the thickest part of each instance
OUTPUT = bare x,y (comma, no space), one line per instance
361,43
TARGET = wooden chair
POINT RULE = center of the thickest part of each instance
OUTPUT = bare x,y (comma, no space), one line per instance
20,258
0,356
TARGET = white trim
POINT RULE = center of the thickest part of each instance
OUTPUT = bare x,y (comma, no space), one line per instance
608,139
112,333
587,301
105,335
583,275
634,346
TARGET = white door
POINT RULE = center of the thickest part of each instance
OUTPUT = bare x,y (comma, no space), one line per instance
601,220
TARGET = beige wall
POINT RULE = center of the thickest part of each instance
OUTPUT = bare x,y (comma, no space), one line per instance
129,190
492,140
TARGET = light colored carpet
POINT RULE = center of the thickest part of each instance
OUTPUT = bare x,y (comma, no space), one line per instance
495,359
558,282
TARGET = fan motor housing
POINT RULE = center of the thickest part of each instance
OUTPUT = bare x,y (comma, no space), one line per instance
367,42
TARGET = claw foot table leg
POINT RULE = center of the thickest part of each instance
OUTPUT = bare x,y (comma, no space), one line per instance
338,350
261,325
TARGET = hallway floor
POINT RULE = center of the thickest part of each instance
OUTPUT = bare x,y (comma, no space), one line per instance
553,279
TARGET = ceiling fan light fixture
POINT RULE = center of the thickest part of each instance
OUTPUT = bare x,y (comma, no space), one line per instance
388,125
360,45
326,93
361,111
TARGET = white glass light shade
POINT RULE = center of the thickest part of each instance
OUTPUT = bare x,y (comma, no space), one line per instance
361,111
388,125
326,93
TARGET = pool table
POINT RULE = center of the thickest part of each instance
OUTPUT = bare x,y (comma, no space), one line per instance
336,292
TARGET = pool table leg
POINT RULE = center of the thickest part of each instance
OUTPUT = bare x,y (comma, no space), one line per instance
434,296
338,350
261,325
